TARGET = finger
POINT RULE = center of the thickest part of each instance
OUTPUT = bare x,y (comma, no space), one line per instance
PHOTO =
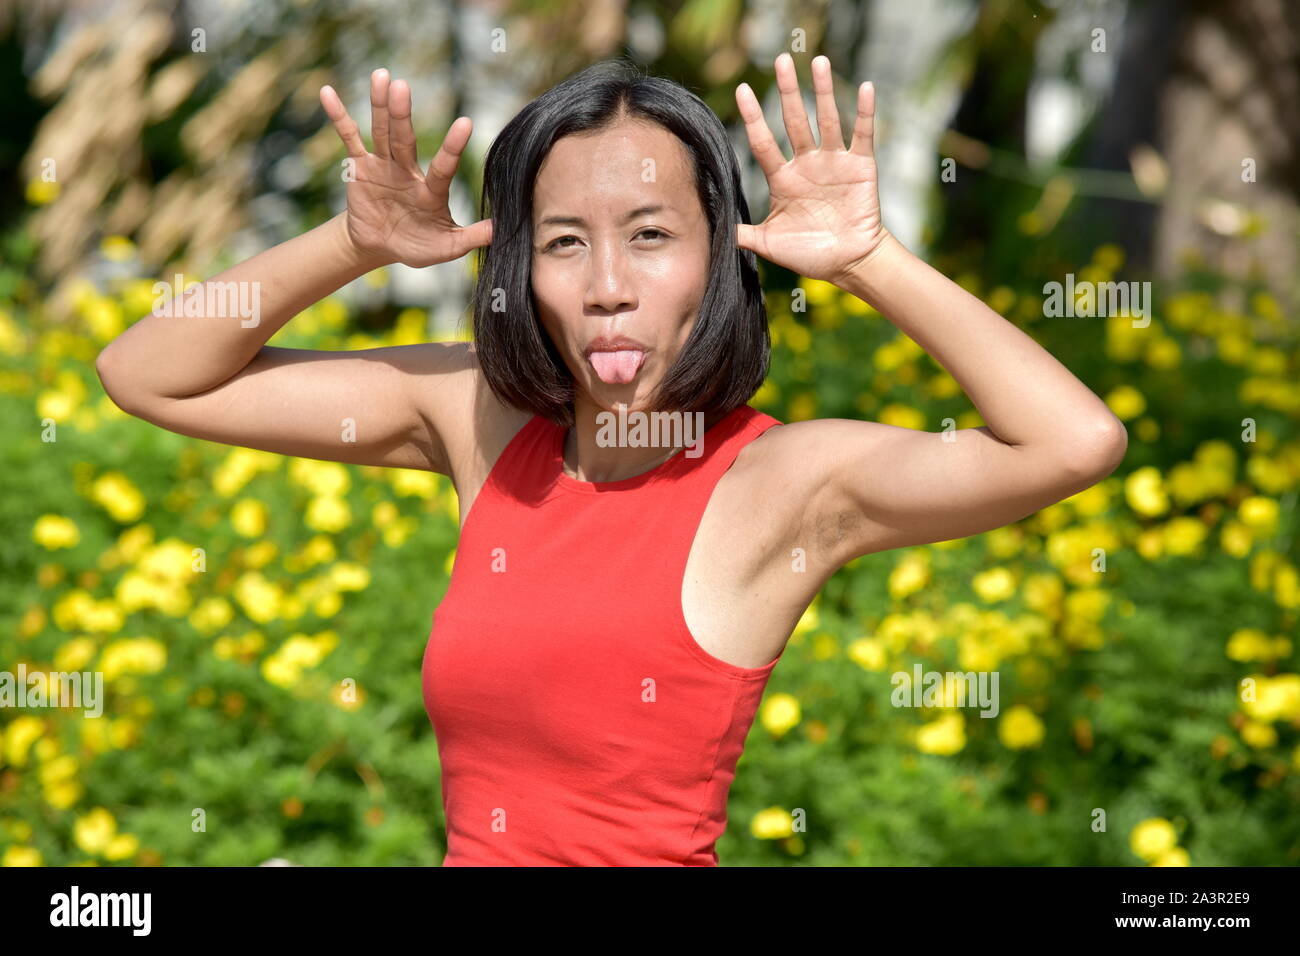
761,141
379,113
478,234
344,124
747,236
401,133
864,128
443,166
828,114
792,111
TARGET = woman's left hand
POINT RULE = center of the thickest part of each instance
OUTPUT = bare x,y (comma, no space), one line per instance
825,209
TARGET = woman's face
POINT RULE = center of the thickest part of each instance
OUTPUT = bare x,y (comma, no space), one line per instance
620,257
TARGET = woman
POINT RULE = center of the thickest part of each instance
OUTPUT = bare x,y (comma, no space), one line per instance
617,604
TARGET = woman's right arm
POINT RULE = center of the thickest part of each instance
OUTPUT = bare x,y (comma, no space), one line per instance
209,374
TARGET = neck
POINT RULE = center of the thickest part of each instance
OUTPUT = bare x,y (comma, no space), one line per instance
603,446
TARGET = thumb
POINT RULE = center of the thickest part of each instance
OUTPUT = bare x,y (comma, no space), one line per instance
477,234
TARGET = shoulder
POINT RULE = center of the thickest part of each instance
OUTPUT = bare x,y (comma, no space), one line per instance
806,453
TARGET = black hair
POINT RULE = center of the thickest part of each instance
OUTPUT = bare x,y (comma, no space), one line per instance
725,358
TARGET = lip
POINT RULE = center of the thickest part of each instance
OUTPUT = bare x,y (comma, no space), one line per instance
618,343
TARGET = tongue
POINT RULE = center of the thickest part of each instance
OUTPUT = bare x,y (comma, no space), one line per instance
616,368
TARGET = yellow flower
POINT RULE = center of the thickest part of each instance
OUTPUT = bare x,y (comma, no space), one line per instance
21,733
260,554
1108,256
1163,352
94,831
1020,728
1286,586
1091,501
349,576
773,823
284,667
121,499
280,672
384,514
801,408
1259,513
396,533
1175,857
1248,644
248,517
902,416
41,193
1184,535
910,575
21,856
1152,838
74,655
1236,539
63,795
1144,492
1257,735
330,514
260,599
144,655
58,770
55,404
995,584
1126,402
1276,698
411,483
169,562
767,395
239,467
780,713
808,621
55,531
117,248
211,615
1087,604
326,479
868,653
121,847
104,317
942,737
1044,593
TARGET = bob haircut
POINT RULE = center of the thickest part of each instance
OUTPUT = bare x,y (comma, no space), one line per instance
725,358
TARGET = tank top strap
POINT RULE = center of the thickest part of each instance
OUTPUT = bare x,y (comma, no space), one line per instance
692,488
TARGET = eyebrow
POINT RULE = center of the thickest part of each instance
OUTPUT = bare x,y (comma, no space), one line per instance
579,221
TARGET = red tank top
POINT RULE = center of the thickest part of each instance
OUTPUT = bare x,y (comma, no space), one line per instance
578,722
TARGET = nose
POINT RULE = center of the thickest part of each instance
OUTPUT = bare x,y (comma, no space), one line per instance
609,285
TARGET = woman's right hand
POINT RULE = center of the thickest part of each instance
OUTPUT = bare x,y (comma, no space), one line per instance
396,213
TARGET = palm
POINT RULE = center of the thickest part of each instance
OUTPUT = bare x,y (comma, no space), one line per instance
391,208
396,212
825,209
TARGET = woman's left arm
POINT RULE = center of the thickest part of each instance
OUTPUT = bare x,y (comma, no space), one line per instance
870,486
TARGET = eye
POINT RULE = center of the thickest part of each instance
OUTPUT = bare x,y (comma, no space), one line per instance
658,232
552,244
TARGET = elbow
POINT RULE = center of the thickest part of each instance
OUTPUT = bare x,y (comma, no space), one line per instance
1099,449
111,379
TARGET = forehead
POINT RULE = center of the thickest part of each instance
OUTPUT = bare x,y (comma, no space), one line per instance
627,163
